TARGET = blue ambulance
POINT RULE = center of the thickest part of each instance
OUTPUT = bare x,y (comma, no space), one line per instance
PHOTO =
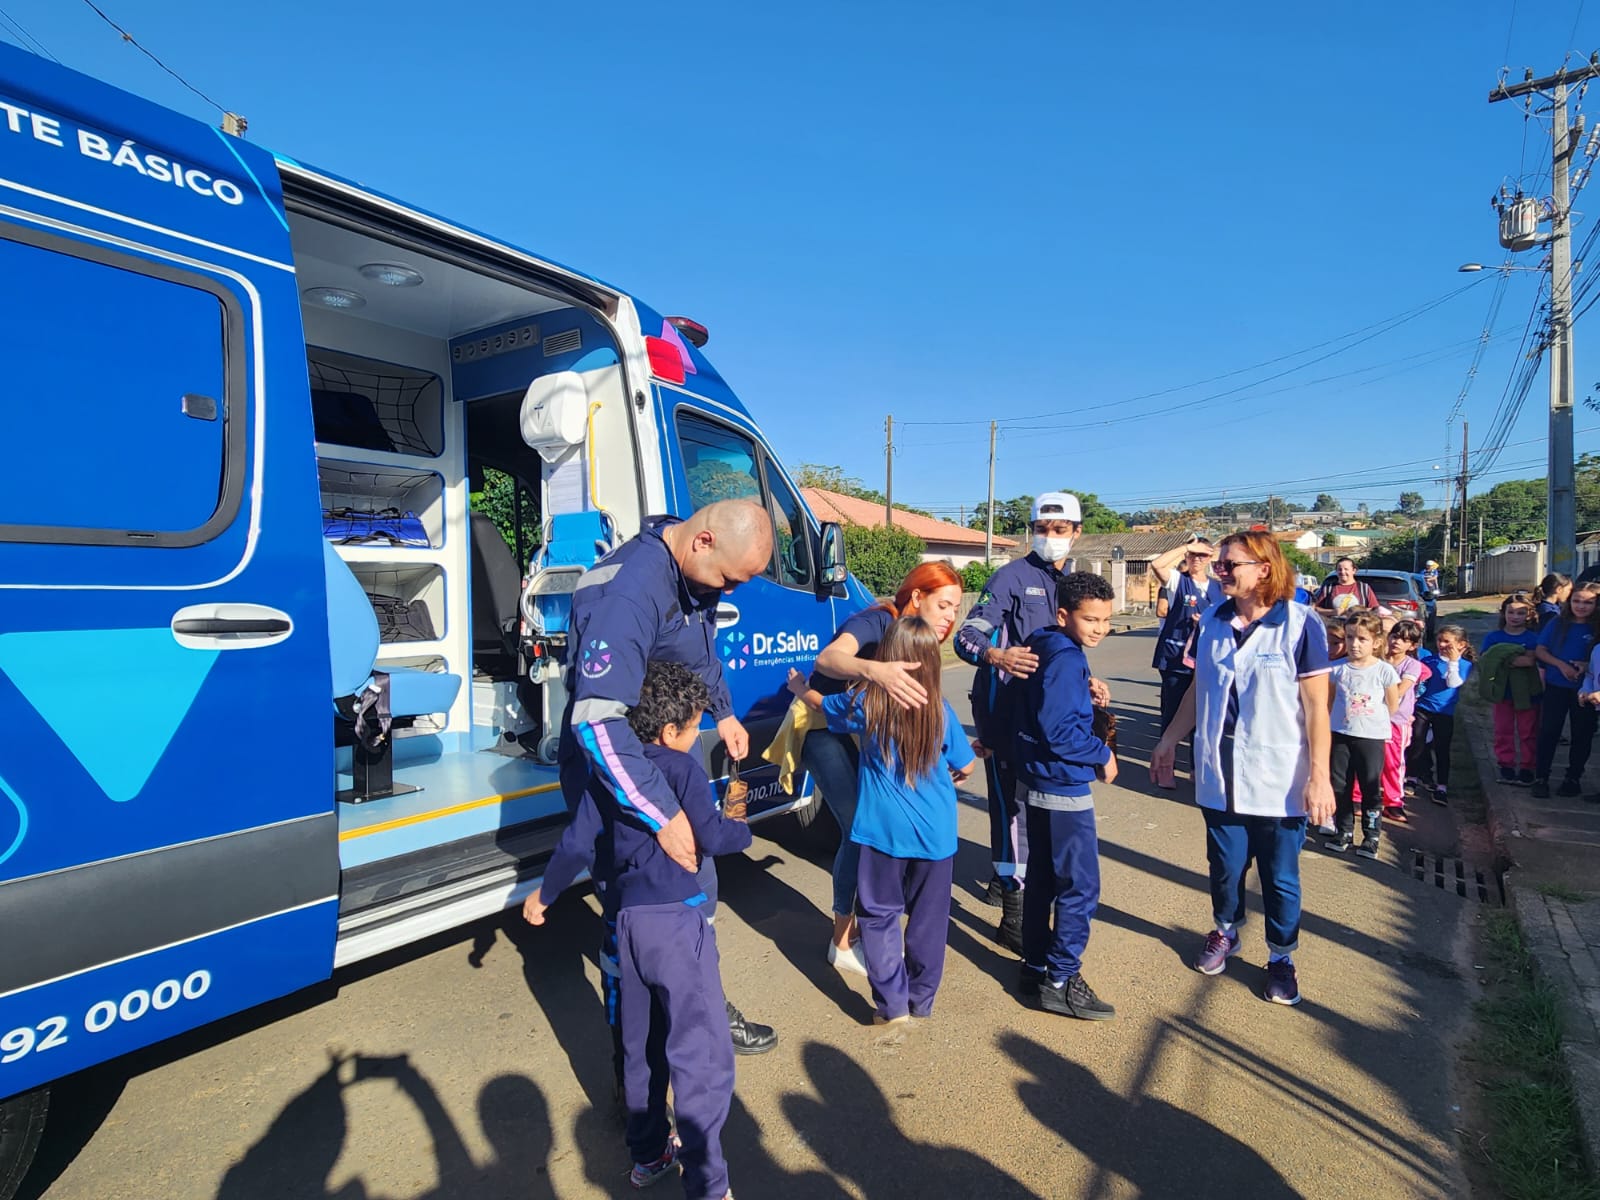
298,482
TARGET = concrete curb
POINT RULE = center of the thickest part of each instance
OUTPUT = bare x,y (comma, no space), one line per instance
1558,950
1563,959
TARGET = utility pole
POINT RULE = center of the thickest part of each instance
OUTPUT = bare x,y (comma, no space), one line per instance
1480,534
1461,553
988,533
888,472
1272,504
1561,536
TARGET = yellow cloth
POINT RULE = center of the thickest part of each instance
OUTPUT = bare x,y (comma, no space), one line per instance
791,736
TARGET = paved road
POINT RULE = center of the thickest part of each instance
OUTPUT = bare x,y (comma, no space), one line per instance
478,1065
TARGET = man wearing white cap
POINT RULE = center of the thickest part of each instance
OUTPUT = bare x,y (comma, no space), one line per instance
1019,599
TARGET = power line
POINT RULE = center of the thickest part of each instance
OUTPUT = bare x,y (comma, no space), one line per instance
27,40
1377,328
134,42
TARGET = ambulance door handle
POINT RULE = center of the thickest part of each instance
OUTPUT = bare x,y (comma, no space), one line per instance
230,626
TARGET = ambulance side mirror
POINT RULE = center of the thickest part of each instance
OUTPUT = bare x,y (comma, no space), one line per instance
833,572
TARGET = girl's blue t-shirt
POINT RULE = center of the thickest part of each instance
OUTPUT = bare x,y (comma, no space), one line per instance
1574,647
893,818
1527,639
1435,695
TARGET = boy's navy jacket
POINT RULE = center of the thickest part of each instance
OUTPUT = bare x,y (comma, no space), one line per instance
1019,598
621,851
1057,751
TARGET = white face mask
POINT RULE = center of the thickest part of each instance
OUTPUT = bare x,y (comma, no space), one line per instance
1051,549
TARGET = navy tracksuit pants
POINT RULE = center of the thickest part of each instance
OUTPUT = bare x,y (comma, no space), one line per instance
904,976
1008,831
1063,890
667,956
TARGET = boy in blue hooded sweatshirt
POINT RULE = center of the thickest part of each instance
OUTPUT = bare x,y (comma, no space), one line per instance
1058,757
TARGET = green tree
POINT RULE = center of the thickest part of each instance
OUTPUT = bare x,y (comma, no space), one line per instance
1010,516
1326,503
975,576
1410,504
833,479
1097,518
1303,563
881,557
498,502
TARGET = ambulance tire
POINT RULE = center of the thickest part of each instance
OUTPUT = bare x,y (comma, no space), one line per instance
21,1124
818,829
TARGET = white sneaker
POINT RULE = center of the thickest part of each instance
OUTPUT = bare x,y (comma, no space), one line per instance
847,962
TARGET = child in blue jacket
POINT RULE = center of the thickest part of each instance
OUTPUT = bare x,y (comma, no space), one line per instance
1434,720
666,949
1058,757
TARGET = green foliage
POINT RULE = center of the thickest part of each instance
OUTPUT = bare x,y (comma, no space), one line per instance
1326,503
833,479
975,576
881,557
711,480
1410,504
498,502
1011,517
1097,518
1303,563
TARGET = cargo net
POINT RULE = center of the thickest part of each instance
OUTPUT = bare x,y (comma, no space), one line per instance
375,405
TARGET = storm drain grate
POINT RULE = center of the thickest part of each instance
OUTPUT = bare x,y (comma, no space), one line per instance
1449,875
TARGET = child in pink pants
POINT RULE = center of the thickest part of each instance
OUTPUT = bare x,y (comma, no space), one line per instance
1404,640
1516,730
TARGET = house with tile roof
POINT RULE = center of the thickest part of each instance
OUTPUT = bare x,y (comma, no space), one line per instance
944,539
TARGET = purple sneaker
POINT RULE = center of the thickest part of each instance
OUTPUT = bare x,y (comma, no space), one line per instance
1282,986
1219,948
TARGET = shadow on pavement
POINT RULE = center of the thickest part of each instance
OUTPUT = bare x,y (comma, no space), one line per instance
294,1158
1152,1144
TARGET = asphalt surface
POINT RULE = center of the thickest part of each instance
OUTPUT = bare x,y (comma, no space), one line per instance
478,1065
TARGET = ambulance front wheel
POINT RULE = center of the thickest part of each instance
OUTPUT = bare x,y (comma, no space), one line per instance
817,826
21,1124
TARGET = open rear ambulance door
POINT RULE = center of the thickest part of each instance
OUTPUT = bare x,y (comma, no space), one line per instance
168,845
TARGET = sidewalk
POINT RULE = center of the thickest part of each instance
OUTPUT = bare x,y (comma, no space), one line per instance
1553,850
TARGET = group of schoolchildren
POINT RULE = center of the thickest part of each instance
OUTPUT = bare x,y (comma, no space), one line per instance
671,1008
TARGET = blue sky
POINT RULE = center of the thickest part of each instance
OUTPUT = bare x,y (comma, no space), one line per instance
924,209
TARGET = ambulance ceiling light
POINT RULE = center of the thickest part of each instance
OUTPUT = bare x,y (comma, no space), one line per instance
392,275
341,299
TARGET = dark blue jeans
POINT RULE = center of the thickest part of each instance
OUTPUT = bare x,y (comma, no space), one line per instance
1233,841
1063,889
834,763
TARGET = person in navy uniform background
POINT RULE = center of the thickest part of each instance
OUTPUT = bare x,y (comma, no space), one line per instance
655,598
1019,599
1186,595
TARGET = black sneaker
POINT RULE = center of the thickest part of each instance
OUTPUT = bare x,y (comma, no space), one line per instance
1508,774
1369,844
1340,842
1441,795
1524,777
994,893
1570,787
1009,934
1030,981
1541,789
749,1037
1074,998
1283,986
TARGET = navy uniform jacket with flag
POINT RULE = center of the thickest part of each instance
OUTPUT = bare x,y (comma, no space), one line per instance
1020,598
631,607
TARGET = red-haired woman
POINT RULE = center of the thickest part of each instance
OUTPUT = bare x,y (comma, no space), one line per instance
1259,711
931,591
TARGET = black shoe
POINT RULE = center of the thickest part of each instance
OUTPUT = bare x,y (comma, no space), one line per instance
1029,981
1508,774
1570,787
1441,795
1541,789
1009,934
1524,777
994,894
1075,998
749,1037
1371,835
1341,841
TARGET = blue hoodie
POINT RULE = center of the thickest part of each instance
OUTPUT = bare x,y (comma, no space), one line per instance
1435,695
1057,751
